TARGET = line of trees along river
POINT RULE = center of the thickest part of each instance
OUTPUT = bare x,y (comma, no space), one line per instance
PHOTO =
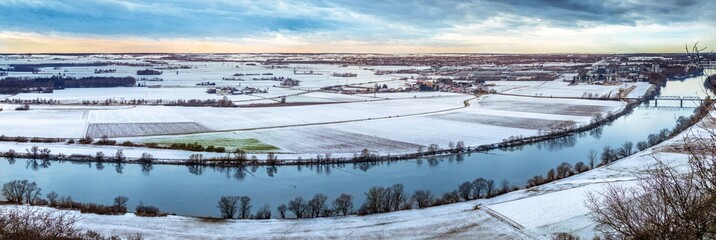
194,191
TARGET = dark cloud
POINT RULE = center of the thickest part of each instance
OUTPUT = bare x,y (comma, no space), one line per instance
570,13
564,13
183,18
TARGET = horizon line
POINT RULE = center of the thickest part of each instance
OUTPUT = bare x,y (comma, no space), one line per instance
325,53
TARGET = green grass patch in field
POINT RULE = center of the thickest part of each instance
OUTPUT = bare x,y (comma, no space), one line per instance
246,144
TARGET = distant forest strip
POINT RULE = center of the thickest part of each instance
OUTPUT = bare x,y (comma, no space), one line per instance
13,85
35,67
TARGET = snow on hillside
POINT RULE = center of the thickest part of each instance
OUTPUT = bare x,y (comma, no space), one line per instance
456,221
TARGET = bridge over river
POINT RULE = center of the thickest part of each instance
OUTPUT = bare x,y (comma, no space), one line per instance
681,99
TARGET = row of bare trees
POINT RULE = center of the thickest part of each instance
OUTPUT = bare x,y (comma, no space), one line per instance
377,200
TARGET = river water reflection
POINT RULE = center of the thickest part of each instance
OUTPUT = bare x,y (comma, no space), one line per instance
195,190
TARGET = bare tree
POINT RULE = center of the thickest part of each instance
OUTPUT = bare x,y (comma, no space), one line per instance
99,157
374,200
297,206
423,198
433,148
33,152
420,151
592,157
504,186
490,188
343,204
628,147
119,155
464,190
52,197
642,145
580,167
240,156
282,210
449,197
146,158
317,205
460,146
564,170
478,187
120,203
271,158
10,154
228,206
19,191
395,198
244,207
608,155
551,175
45,153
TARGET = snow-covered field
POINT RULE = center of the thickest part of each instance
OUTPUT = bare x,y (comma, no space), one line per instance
575,107
344,125
559,88
639,90
43,123
390,123
327,97
97,130
534,213
433,223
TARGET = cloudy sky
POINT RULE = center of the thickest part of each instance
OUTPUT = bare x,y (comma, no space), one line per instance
387,26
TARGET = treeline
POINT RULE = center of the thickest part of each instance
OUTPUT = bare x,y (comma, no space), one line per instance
35,153
36,67
4,138
224,102
378,200
26,192
148,72
14,85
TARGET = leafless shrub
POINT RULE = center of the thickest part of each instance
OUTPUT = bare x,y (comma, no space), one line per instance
42,223
37,223
264,212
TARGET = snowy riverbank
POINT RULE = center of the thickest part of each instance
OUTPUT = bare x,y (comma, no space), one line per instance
533,213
